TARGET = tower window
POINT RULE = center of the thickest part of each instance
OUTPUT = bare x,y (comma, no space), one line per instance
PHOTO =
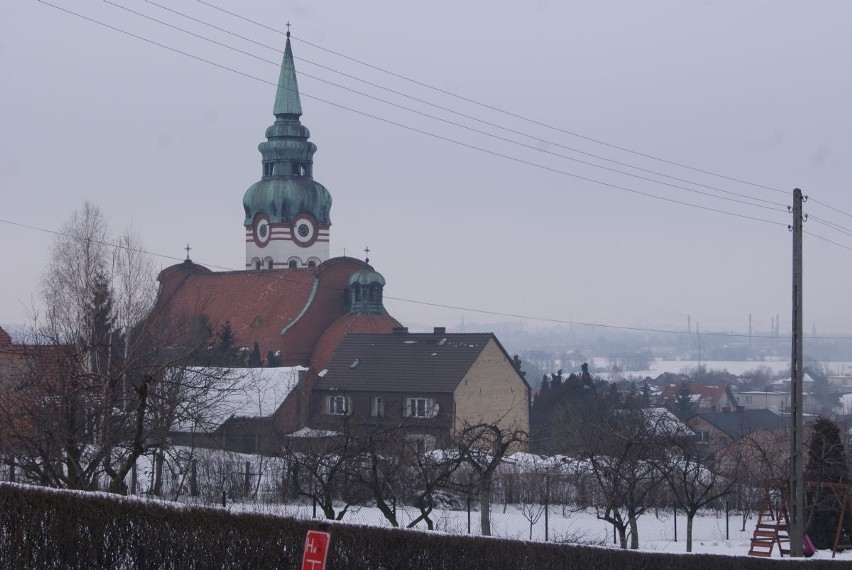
267,169
292,264
269,266
295,169
312,263
257,264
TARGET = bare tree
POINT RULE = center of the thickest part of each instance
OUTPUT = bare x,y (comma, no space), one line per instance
695,479
623,455
483,446
96,387
321,467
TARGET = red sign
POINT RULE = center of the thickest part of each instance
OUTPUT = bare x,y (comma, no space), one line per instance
316,550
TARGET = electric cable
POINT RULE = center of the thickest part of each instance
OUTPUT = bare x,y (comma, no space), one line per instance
466,127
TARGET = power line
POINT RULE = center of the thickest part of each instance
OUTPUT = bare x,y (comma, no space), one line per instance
421,131
443,108
838,210
779,207
275,274
442,138
498,109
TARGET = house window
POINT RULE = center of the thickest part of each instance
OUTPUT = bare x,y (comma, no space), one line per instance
702,436
377,409
420,408
337,405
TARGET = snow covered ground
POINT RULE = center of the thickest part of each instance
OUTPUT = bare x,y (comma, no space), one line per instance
656,531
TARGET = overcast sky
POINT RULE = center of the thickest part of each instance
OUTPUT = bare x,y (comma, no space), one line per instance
755,91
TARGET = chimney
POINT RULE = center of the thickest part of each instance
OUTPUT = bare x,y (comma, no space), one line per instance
440,330
400,330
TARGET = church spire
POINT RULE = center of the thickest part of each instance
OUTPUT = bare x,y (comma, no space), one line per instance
287,212
287,97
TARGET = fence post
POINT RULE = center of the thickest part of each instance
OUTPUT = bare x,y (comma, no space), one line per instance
315,507
393,502
11,469
224,499
468,514
546,506
193,478
727,521
614,539
247,479
675,523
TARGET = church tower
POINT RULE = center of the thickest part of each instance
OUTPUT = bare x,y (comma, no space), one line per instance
287,213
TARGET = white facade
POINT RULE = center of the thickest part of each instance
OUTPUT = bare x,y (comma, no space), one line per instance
281,246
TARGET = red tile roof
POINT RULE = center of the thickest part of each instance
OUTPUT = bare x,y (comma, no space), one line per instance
285,310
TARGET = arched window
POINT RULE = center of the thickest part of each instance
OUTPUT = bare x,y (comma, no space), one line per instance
357,290
257,264
269,263
312,263
292,264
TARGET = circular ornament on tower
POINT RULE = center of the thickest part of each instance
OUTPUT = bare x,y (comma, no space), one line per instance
262,231
304,230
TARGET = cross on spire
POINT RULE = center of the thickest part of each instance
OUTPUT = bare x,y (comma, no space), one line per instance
288,29
366,255
187,248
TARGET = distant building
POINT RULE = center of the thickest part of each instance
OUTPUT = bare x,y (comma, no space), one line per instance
704,397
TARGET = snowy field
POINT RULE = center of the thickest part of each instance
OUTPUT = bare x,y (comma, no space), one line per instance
656,531
738,367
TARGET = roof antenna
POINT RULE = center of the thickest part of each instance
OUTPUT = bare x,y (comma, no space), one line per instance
367,255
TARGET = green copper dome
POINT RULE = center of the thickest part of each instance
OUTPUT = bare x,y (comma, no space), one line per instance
287,188
281,198
366,277
365,292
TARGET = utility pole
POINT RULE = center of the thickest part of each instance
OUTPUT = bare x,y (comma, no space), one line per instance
797,470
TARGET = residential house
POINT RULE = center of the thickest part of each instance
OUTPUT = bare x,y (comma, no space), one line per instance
432,384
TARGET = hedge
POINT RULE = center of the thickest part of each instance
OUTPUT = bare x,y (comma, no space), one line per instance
48,528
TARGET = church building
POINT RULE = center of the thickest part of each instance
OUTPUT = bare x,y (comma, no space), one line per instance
292,299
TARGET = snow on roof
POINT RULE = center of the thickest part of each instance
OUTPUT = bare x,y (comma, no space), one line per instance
311,432
234,392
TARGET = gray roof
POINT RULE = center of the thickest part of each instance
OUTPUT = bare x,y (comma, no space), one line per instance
399,362
744,422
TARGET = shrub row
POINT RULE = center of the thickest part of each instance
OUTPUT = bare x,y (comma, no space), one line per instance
46,528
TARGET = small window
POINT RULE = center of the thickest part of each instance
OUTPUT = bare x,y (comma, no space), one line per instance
257,264
337,405
294,169
377,409
292,264
269,264
420,408
312,263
